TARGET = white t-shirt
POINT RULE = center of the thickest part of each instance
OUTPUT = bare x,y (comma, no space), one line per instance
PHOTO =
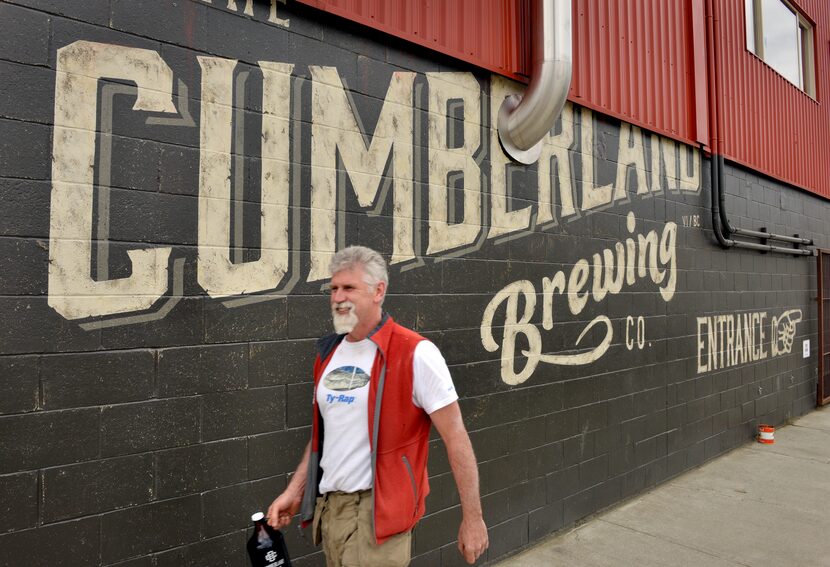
343,401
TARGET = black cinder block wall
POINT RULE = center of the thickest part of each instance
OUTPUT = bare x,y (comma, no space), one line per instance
173,178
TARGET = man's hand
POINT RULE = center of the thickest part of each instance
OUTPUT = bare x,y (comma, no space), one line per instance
289,502
472,539
283,509
472,535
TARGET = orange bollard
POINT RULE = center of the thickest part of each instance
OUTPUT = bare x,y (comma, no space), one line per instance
766,434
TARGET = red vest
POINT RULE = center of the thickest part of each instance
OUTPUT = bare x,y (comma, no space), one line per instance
398,433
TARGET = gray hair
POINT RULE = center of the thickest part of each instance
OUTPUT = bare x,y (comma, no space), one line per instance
372,263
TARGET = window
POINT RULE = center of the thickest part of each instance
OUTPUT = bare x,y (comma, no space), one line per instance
780,35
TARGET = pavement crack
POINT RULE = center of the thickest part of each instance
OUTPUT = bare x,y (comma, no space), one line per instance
675,542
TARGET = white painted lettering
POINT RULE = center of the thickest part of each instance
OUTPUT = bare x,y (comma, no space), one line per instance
72,291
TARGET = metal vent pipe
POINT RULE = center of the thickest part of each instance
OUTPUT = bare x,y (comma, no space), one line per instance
525,120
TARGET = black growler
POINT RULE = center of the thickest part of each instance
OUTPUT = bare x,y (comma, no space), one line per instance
267,546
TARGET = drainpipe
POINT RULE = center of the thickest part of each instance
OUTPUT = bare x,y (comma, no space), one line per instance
524,121
720,221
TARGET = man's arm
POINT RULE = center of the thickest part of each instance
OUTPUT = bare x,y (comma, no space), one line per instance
287,504
472,534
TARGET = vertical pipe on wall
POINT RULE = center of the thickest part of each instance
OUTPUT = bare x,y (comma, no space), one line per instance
525,121
720,221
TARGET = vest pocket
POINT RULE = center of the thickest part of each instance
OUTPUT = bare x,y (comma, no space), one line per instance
412,480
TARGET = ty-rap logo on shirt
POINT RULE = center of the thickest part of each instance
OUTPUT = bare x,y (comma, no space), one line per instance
344,379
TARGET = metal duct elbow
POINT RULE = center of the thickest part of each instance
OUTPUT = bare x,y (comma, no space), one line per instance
524,121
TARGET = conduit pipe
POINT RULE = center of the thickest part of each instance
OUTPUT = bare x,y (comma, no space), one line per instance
720,221
524,121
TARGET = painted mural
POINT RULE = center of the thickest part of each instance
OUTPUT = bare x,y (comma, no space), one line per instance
375,167
174,184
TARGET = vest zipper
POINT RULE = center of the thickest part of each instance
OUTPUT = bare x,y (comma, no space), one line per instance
412,479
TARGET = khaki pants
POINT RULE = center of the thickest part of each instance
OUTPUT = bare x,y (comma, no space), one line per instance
344,523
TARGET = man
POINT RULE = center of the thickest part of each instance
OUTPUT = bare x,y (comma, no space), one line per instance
378,387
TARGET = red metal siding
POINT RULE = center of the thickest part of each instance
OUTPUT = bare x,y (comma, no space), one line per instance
490,34
634,60
644,61
767,123
631,60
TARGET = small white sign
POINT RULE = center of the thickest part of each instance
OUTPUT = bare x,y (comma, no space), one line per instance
805,348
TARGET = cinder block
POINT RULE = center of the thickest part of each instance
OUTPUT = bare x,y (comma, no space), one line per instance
526,496
443,493
25,207
562,483
27,41
99,486
18,501
75,380
433,531
578,506
429,559
19,388
298,404
148,426
30,259
507,536
164,21
503,472
179,170
202,467
545,460
264,321
43,439
593,416
185,326
525,435
578,393
277,453
478,378
543,399
24,147
142,214
78,542
146,561
27,91
222,30
490,443
228,509
202,369
308,317
563,424
608,492
281,362
66,31
593,471
93,11
245,412
223,550
495,507
544,521
147,529
440,312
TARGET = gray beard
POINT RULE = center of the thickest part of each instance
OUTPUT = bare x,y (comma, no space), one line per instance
344,324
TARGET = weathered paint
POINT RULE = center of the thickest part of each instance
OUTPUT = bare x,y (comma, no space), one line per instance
343,155
581,303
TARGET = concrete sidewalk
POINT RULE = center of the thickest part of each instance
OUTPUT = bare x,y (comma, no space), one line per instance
756,506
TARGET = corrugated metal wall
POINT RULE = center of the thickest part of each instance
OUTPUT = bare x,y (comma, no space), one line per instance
634,60
486,33
631,59
643,61
767,123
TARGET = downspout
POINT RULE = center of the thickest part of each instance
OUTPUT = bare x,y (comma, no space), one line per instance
524,121
720,221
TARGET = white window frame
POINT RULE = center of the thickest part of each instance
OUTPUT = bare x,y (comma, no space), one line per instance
806,53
